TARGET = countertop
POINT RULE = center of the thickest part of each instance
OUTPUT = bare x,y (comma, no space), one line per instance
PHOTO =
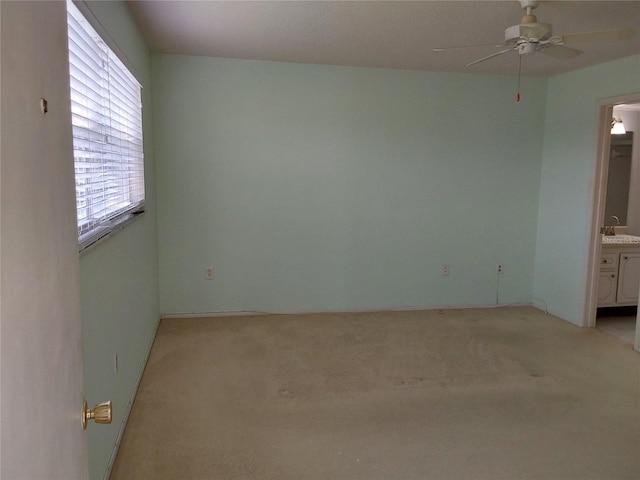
620,240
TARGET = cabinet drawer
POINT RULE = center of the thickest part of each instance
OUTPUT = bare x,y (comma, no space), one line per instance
609,260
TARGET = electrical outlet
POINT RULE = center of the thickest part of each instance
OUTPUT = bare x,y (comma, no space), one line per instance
445,270
499,269
208,273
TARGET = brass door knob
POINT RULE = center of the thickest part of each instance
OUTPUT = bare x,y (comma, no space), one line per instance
101,413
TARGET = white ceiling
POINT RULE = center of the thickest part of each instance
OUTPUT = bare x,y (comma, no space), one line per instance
390,34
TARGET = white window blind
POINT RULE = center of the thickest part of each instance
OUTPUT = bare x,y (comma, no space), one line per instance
106,109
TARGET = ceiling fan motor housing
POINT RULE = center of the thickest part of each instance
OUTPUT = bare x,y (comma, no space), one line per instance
528,35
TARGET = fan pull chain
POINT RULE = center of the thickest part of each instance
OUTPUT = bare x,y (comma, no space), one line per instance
519,70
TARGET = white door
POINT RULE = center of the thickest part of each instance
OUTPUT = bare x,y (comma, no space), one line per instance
41,349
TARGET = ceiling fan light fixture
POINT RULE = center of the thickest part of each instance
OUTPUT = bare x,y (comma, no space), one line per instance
617,127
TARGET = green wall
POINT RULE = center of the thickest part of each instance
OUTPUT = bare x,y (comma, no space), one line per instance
315,188
566,189
119,277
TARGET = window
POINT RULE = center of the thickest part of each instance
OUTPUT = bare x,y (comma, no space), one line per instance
106,110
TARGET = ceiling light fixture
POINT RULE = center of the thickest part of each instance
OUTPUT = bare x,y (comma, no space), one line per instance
617,127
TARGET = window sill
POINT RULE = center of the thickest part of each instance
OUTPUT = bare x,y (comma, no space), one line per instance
95,238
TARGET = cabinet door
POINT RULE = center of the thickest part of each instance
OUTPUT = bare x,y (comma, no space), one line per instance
629,278
607,283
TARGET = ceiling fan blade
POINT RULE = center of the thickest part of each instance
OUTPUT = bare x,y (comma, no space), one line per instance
492,55
560,52
444,49
598,36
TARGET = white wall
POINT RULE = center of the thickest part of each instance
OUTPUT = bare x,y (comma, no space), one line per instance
40,314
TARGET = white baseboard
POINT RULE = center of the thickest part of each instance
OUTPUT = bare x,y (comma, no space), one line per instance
213,314
312,312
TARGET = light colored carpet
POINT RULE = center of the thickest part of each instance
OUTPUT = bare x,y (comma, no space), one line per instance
507,393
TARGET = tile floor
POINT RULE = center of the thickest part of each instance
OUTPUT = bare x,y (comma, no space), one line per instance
619,322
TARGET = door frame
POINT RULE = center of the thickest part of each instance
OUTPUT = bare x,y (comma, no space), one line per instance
599,176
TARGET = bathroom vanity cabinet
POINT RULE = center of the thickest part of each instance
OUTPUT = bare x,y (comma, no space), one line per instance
619,278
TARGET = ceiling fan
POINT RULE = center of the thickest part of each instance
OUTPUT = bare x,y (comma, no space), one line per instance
530,36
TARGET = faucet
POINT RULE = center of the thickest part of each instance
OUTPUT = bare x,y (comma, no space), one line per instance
610,230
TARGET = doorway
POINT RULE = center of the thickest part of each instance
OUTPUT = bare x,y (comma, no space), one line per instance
623,319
